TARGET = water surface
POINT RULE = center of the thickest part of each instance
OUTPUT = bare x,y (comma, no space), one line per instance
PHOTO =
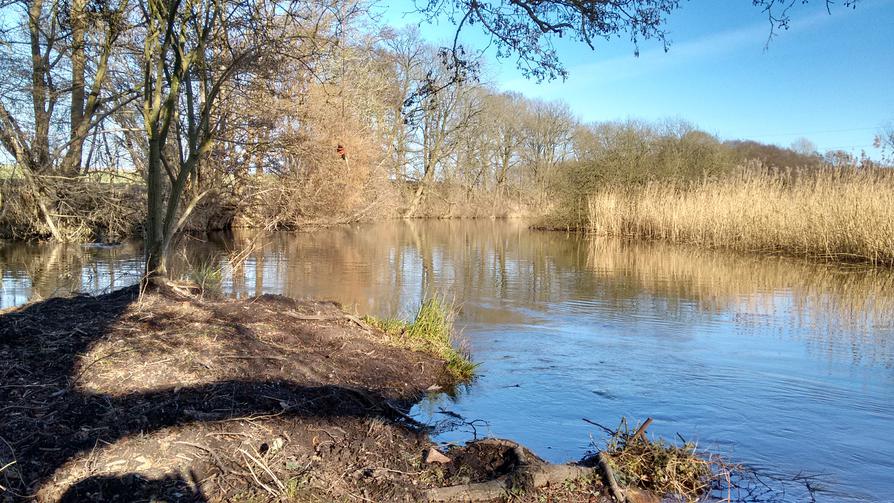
784,365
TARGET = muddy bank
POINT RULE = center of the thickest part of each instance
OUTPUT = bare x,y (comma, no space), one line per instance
126,397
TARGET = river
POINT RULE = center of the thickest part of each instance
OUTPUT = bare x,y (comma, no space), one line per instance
783,365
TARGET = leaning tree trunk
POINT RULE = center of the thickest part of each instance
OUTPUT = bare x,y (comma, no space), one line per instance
428,174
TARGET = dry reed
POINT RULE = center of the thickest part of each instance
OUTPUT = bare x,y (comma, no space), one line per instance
844,215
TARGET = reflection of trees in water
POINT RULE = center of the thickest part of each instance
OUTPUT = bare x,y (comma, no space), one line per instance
383,268
37,271
388,268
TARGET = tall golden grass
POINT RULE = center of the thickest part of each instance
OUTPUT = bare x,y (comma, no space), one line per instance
845,215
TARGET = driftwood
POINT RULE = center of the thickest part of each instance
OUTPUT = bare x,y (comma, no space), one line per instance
527,474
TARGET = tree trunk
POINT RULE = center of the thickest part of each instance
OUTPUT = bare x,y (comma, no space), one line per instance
41,199
42,106
78,58
156,263
420,192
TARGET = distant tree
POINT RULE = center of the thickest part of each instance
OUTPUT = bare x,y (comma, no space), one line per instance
438,113
505,138
546,133
772,155
884,141
804,146
406,53
840,159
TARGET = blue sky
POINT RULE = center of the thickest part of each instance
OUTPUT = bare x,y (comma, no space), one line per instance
828,78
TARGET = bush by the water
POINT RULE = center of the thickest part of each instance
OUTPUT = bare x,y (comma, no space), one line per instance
81,209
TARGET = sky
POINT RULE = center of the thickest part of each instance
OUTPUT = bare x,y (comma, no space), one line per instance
828,78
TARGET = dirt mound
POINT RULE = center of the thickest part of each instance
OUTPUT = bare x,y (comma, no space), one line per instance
124,396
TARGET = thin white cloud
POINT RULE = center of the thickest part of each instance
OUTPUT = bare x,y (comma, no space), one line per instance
627,67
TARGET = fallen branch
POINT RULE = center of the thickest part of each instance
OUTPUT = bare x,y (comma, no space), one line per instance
640,432
609,474
531,477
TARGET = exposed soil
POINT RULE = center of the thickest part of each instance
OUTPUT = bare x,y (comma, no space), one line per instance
129,397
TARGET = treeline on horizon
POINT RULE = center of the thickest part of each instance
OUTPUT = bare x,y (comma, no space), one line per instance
359,123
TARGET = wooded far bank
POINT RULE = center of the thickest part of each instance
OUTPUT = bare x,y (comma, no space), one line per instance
311,116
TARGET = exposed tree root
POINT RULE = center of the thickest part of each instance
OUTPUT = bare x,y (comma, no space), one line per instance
527,472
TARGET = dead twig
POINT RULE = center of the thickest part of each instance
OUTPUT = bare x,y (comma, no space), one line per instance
262,465
642,430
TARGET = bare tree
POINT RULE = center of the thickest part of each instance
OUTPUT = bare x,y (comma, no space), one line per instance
884,141
407,54
195,53
440,110
547,142
525,29
804,146
502,116
47,56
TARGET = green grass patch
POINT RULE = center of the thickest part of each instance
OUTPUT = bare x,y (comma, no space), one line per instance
431,331
208,274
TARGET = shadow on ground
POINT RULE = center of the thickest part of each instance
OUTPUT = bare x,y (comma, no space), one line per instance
47,419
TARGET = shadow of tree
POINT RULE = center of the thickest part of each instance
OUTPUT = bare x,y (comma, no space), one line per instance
134,487
46,420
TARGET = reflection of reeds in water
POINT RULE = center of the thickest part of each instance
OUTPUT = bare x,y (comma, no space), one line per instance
847,312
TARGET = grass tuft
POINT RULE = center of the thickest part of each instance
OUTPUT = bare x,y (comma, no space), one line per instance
431,331
208,274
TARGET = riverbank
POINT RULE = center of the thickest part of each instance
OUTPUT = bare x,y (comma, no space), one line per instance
130,395
93,208
831,215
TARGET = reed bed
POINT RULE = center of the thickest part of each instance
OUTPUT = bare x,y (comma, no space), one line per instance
842,215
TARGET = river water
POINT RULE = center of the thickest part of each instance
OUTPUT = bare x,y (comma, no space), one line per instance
785,366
